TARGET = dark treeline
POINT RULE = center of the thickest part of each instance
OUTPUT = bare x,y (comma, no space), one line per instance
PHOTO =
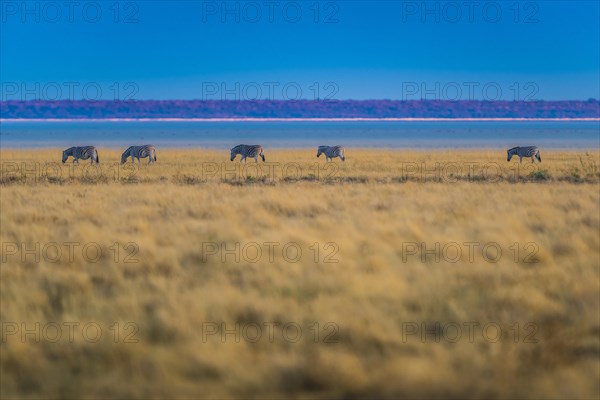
299,109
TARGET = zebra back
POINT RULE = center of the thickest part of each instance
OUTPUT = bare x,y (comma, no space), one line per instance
526,151
247,150
83,152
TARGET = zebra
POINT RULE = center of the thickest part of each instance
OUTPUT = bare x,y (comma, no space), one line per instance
529,151
252,151
331,152
139,152
83,153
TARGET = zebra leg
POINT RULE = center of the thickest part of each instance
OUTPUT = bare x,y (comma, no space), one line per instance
532,159
521,159
256,159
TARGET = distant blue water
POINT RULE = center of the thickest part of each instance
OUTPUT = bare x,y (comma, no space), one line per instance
384,134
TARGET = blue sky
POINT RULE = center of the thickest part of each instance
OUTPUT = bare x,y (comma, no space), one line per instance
503,50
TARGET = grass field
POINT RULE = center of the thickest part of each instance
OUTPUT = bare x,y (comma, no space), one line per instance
444,274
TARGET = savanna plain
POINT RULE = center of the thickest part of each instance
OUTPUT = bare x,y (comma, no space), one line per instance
422,274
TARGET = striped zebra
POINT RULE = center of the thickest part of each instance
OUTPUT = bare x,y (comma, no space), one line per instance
82,153
252,151
331,152
529,151
139,152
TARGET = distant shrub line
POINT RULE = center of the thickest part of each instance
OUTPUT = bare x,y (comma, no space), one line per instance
86,109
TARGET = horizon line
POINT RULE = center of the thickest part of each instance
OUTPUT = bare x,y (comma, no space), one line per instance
591,99
595,119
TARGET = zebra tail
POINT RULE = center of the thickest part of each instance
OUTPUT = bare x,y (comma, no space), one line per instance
539,157
155,155
97,158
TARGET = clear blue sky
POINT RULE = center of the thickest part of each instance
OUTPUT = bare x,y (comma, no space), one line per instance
546,50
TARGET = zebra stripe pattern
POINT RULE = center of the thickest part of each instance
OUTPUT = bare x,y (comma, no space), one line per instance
529,151
82,153
252,151
331,152
139,152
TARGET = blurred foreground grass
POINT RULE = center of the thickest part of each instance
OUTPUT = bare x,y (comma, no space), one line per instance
396,273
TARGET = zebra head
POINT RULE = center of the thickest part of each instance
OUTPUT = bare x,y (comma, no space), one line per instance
233,154
320,150
125,155
64,156
510,153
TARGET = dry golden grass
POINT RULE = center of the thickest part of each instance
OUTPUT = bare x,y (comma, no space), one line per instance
372,214
289,166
